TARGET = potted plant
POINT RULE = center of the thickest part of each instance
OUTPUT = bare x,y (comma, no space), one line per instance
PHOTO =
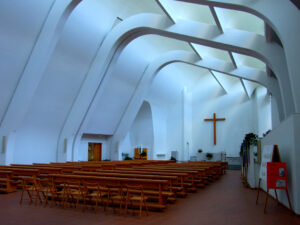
200,150
143,154
173,158
251,139
209,155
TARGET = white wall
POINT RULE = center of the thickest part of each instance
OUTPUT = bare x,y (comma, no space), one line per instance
264,114
237,111
160,146
187,124
286,136
175,129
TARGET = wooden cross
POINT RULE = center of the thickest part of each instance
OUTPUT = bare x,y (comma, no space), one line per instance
215,128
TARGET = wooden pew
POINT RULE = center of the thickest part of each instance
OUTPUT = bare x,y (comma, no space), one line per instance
181,191
7,185
204,174
186,177
158,185
170,194
42,170
198,177
19,172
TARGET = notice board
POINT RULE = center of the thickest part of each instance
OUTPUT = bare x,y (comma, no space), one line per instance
276,175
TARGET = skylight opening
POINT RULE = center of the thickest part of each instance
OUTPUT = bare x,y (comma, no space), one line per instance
232,19
205,51
244,60
188,11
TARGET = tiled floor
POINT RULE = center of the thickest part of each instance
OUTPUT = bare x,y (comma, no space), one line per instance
225,202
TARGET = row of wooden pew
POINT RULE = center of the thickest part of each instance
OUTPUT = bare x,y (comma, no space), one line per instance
162,181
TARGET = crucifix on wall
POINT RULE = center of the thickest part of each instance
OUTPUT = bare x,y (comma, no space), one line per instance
215,128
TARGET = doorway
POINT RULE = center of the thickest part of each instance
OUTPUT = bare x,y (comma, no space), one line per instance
94,151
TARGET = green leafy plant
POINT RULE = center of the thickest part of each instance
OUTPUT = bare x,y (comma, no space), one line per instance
200,150
250,139
173,158
143,154
128,158
209,155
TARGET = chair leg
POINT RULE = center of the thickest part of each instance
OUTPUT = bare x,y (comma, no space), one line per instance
146,208
120,212
22,193
96,205
30,196
126,206
141,207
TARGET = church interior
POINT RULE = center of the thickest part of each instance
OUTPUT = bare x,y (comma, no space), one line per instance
192,102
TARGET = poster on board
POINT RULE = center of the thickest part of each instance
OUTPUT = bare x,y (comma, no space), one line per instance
266,156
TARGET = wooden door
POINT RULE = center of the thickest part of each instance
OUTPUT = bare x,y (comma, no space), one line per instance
97,151
94,151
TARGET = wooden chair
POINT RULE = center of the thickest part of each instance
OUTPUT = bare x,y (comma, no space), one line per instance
30,186
94,193
45,189
115,195
42,188
136,194
56,193
72,193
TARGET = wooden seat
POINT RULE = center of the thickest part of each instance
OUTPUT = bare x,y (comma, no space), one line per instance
42,188
115,196
56,193
72,193
94,193
136,194
45,189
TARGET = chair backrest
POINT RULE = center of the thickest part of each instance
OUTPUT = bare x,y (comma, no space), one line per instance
134,190
90,187
115,190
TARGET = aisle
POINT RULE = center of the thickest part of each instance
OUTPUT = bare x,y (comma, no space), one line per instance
225,202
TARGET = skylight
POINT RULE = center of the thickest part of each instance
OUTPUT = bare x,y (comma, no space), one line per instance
232,19
244,60
205,51
187,11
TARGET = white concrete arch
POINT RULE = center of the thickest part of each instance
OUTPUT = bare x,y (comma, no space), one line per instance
149,23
